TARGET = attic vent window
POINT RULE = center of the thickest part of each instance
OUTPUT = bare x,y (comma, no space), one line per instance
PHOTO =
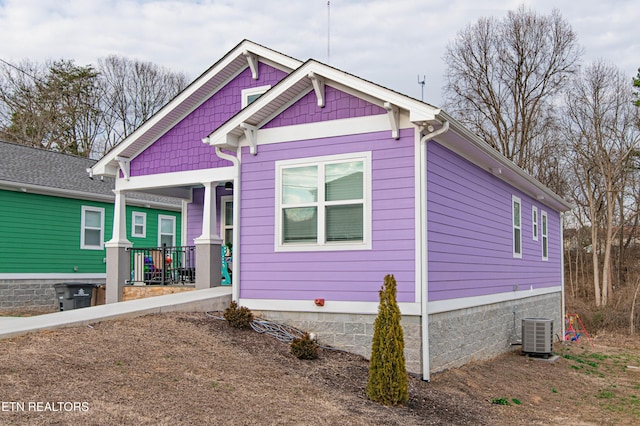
250,95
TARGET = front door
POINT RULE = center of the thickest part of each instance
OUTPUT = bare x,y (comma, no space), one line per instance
226,232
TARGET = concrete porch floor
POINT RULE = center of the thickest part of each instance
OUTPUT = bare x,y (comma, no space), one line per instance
211,299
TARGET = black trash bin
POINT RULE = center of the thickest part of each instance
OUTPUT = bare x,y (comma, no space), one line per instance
74,295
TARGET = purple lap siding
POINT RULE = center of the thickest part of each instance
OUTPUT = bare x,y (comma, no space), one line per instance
194,212
333,275
181,148
470,233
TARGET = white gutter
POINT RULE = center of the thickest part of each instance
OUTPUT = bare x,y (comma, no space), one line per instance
235,279
424,256
80,195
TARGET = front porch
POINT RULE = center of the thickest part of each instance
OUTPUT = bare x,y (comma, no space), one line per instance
203,260
162,266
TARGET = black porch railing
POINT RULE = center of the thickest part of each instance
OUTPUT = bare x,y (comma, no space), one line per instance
162,265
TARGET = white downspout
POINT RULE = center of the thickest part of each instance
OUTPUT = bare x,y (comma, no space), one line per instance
235,279
424,257
562,303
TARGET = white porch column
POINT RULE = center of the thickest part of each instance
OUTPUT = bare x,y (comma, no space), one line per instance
118,264
208,245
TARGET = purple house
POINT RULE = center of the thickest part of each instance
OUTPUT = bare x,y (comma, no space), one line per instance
323,183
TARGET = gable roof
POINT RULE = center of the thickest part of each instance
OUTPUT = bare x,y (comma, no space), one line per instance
302,78
299,82
242,56
422,115
29,169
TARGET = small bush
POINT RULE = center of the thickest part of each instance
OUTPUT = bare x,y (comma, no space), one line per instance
238,317
304,348
500,401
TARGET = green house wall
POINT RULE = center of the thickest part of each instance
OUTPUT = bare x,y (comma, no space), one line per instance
41,233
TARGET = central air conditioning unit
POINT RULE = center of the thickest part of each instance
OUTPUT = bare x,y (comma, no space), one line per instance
537,336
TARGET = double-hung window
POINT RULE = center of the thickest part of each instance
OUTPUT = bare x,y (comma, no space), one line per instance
516,213
139,224
92,228
324,203
545,235
534,222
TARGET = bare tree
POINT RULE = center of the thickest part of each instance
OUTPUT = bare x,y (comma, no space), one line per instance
52,106
20,118
502,79
599,125
134,91
78,109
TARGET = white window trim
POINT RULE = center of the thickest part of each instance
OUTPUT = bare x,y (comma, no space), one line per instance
100,210
545,234
514,200
321,245
144,224
245,93
173,231
223,216
534,223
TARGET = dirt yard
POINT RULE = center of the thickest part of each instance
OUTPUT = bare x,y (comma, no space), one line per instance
190,369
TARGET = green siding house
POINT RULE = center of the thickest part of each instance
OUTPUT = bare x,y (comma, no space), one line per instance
55,219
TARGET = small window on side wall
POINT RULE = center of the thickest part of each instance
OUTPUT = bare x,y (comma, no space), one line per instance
516,213
545,235
92,228
534,222
139,225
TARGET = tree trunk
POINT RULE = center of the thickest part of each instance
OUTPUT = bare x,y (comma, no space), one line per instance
632,325
596,266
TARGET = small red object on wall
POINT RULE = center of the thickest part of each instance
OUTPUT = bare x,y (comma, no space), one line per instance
319,302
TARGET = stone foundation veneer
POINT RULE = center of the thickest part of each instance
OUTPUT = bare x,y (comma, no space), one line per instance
483,332
455,337
34,294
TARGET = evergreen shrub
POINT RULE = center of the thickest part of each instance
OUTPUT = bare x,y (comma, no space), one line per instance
238,317
304,347
388,378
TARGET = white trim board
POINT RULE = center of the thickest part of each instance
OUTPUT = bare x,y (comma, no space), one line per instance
184,178
330,306
326,129
51,276
472,302
371,308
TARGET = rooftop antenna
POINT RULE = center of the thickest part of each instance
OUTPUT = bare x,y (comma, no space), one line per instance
422,83
328,32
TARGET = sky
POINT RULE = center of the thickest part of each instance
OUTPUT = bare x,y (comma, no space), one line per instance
394,43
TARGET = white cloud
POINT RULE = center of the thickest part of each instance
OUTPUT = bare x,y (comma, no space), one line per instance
388,42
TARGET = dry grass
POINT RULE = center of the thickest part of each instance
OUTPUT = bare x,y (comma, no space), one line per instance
183,369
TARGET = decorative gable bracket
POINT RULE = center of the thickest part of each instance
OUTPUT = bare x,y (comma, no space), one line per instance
252,59
124,164
318,87
393,112
251,133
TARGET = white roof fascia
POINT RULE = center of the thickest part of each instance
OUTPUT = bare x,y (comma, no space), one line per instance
418,111
107,164
518,177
